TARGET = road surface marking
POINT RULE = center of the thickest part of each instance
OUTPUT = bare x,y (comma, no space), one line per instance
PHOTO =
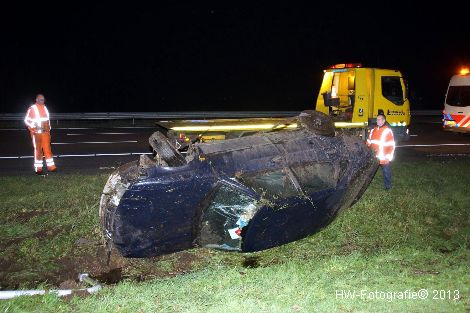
93,142
77,155
71,134
435,145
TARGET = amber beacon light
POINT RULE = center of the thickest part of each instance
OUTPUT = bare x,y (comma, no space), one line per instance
464,71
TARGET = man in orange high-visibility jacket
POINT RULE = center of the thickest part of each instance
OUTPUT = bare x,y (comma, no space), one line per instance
37,121
382,142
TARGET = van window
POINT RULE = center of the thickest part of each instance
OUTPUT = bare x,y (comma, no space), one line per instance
392,89
458,96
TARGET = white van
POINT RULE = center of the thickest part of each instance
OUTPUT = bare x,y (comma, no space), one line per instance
456,114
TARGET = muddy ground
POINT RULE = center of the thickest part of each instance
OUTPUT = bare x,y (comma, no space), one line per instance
90,256
103,266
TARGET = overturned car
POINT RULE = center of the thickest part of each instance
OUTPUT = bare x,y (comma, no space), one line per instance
244,194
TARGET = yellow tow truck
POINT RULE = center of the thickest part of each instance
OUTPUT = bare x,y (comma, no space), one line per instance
353,96
350,94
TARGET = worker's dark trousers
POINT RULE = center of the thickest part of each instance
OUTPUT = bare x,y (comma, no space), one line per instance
387,172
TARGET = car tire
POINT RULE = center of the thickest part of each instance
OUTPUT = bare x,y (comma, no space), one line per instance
166,151
317,122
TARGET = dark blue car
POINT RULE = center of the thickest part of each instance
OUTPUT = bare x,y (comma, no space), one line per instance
244,194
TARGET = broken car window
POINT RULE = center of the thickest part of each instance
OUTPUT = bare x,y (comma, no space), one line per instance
271,183
314,177
223,220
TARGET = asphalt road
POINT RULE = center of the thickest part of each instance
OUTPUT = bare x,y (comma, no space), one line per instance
91,150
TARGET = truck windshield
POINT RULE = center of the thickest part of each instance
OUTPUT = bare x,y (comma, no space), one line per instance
458,96
392,89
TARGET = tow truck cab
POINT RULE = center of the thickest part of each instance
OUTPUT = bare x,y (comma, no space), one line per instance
353,96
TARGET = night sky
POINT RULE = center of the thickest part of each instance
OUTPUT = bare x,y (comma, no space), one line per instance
172,56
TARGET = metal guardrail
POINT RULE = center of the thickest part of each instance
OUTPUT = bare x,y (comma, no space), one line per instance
176,115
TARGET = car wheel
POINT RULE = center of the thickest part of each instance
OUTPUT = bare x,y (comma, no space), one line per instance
317,122
166,151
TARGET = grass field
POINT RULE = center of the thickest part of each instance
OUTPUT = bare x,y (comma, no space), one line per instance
382,255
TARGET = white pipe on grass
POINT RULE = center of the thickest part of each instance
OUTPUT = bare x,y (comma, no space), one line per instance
9,294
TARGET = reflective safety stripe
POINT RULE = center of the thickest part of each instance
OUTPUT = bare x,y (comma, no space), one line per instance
37,165
390,143
382,143
28,121
380,155
464,122
369,140
36,120
36,115
371,132
47,112
37,158
34,145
